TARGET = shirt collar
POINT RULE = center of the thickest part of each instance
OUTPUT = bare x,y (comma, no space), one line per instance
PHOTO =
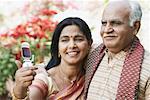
115,56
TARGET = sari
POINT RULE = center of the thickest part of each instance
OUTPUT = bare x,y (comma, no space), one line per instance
73,92
50,91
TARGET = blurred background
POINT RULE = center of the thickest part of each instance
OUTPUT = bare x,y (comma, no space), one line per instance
35,20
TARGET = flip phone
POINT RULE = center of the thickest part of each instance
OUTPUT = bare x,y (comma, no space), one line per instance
26,54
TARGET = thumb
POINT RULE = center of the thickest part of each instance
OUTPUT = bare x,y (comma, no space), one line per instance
18,63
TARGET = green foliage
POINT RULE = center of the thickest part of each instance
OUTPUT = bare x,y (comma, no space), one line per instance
7,67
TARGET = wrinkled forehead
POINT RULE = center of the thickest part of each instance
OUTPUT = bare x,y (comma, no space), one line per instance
118,5
116,8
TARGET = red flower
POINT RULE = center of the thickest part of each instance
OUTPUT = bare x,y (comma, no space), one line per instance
4,35
35,20
18,56
38,45
48,12
21,30
22,40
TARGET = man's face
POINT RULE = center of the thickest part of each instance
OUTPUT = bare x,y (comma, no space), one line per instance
116,32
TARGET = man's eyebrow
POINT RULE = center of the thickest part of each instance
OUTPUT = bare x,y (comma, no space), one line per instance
111,21
103,20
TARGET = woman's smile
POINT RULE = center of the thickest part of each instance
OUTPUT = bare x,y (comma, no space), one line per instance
73,53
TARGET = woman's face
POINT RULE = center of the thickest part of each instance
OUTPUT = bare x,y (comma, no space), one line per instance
73,45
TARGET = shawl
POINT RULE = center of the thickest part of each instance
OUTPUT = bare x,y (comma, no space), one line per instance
130,75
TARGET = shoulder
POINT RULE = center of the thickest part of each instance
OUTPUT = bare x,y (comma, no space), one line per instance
96,49
52,84
52,72
94,46
146,63
146,58
147,54
145,70
51,75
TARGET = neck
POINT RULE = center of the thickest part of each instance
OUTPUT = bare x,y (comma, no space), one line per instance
70,72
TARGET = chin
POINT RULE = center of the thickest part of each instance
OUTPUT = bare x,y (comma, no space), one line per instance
109,46
73,62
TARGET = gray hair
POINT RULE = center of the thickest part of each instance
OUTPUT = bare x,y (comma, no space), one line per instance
136,12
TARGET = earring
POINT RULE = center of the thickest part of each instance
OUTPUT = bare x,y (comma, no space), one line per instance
59,55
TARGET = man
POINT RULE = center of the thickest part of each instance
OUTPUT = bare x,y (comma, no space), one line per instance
119,69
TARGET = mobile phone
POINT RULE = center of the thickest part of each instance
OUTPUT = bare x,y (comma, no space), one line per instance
26,54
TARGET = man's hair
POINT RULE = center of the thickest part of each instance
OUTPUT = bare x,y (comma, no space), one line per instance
136,12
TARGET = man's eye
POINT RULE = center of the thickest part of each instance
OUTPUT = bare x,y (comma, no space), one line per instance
116,23
104,23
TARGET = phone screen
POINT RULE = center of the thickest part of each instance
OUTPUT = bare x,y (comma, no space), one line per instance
26,52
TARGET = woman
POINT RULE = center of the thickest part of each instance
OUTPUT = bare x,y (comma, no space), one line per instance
70,46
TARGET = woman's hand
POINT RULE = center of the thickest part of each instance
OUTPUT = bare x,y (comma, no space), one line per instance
23,79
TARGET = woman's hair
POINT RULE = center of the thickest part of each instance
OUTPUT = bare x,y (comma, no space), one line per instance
55,59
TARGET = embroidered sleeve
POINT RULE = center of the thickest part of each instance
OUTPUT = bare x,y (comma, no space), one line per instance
39,86
52,86
43,85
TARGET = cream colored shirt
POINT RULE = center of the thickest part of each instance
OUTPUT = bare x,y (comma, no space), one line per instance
105,81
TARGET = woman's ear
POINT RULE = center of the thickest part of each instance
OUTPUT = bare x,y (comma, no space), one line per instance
91,42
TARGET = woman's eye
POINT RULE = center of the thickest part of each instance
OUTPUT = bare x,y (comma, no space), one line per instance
64,40
79,39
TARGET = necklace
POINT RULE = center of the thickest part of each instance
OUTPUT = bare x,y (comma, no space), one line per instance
63,80
65,77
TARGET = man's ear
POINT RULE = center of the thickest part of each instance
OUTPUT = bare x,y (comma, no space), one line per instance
137,25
